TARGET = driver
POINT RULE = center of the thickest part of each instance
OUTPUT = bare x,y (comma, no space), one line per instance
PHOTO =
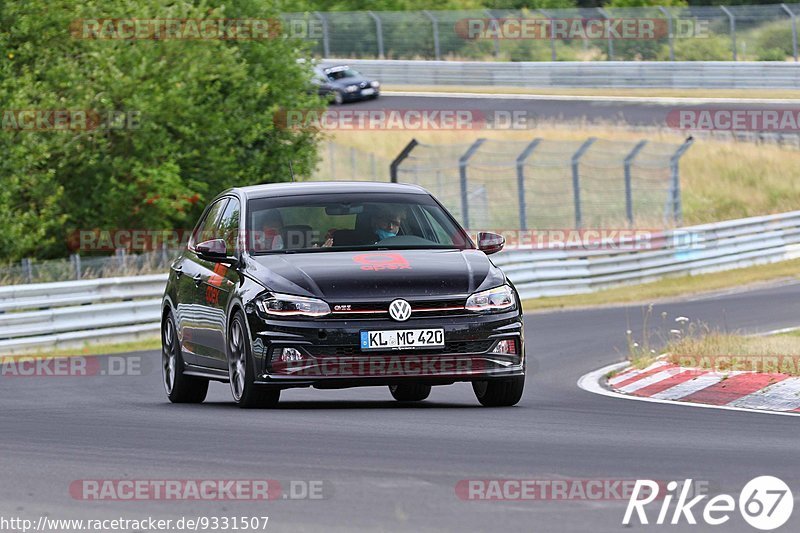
386,222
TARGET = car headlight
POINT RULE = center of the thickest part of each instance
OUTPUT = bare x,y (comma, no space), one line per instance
351,88
497,299
280,305
375,84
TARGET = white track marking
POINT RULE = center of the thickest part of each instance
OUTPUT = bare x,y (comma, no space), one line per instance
689,387
650,380
633,373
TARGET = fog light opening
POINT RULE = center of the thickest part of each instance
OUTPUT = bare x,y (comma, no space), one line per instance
289,355
505,347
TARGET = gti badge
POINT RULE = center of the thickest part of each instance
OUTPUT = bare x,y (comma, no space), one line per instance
400,310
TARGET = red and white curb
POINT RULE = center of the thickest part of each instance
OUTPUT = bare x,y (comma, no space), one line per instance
664,382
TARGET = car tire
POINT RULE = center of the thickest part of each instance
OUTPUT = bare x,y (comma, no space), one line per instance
241,372
410,392
499,392
338,98
179,387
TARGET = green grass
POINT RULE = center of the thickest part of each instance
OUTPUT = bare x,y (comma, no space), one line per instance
728,352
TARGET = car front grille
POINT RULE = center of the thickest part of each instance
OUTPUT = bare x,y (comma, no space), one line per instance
419,309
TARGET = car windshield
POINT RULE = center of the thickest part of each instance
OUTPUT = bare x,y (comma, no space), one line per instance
338,73
335,222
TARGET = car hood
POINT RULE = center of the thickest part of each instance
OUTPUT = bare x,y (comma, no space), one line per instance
369,276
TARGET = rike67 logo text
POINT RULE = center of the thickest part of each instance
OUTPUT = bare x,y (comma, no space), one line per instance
766,503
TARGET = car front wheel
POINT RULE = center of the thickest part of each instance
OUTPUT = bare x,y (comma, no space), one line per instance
338,98
241,372
499,392
180,388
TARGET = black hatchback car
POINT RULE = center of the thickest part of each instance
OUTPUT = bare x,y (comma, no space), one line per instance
334,285
341,84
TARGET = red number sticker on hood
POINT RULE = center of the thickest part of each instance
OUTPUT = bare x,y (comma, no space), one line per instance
382,261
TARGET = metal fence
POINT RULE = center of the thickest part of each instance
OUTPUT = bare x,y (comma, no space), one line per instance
339,162
78,267
490,184
690,33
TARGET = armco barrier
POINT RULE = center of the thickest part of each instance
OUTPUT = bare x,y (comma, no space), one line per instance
685,251
40,316
46,315
583,74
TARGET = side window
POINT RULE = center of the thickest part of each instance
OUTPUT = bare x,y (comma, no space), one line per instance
205,229
442,237
228,227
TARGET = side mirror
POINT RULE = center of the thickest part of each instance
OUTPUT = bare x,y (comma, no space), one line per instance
215,250
490,243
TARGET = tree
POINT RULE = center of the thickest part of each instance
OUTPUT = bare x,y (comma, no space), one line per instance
179,120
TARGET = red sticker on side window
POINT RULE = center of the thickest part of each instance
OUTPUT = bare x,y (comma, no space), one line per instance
382,261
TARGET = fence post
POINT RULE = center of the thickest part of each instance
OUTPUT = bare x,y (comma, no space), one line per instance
733,28
27,269
669,30
610,41
576,182
496,30
552,34
75,259
677,208
404,153
378,32
463,161
523,215
435,27
628,189
794,29
326,41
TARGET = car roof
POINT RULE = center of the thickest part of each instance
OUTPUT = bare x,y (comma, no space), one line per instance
327,187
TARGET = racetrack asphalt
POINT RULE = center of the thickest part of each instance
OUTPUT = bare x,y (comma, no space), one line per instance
554,109
393,467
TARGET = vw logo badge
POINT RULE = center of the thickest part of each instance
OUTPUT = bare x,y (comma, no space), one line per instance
400,310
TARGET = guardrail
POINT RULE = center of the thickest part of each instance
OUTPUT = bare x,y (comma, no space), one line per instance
46,315
686,251
587,74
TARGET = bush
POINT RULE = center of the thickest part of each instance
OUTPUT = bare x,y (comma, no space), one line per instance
713,48
773,42
771,54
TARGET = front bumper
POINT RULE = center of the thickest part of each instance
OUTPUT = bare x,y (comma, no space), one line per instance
359,95
332,357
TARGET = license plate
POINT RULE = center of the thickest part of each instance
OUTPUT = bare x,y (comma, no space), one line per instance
367,92
402,338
